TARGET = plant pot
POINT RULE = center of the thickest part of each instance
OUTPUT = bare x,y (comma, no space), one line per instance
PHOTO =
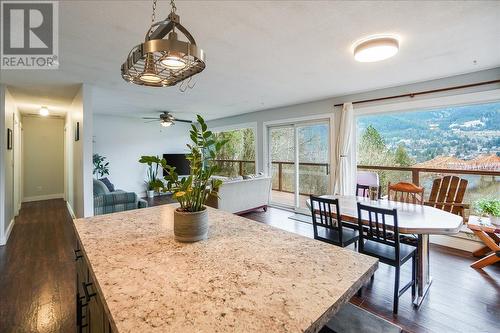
190,227
495,220
151,194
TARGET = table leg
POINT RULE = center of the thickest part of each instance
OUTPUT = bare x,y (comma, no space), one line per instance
424,279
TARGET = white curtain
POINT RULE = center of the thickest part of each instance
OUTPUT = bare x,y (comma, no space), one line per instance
345,170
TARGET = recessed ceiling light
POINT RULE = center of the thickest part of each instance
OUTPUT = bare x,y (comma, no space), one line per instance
44,111
376,48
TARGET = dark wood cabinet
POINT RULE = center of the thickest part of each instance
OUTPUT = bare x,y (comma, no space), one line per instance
90,314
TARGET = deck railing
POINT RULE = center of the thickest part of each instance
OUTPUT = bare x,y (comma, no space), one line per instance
415,172
325,167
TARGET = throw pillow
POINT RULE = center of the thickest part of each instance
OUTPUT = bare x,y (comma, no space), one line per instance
108,184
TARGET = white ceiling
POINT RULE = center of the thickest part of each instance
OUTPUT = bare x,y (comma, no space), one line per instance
261,54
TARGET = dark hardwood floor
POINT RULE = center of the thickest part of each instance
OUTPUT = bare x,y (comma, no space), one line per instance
37,279
37,271
461,299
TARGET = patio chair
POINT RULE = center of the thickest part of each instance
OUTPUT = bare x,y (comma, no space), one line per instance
447,194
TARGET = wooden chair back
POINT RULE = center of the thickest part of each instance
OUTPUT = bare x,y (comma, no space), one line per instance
375,227
321,210
405,192
447,193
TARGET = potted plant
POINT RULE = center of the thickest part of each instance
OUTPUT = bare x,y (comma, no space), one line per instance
101,167
490,208
191,218
152,182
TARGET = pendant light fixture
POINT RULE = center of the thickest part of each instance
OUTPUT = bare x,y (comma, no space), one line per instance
164,62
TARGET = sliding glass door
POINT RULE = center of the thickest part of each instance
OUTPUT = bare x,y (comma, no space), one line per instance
299,156
282,167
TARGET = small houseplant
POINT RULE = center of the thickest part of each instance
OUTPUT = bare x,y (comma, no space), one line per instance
101,167
491,208
152,182
191,218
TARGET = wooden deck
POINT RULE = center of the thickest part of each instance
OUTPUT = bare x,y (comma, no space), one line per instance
286,198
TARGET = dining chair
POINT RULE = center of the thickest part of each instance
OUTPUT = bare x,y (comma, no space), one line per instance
364,191
376,241
405,192
327,224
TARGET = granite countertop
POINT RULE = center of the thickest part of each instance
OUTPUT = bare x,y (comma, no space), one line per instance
247,277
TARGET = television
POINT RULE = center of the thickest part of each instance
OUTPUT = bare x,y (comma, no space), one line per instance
178,161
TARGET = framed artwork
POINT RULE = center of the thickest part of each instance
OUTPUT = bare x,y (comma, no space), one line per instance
9,139
77,131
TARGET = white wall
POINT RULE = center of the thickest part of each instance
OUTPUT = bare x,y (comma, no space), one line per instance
8,200
124,140
78,160
43,157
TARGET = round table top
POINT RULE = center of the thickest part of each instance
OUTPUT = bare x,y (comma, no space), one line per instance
412,218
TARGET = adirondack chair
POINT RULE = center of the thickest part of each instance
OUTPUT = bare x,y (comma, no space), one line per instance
447,193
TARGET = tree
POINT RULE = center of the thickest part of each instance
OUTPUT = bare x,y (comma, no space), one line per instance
372,149
240,146
401,157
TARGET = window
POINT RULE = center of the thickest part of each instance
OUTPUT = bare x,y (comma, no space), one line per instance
237,157
452,138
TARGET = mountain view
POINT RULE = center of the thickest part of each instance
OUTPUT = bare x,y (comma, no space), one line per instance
464,131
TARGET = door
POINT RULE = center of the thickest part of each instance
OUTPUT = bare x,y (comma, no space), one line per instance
299,156
313,146
282,165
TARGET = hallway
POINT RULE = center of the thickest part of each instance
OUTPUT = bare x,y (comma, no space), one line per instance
37,271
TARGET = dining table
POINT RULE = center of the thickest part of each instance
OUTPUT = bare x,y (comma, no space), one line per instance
413,219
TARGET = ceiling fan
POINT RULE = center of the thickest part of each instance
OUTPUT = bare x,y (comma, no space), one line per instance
166,119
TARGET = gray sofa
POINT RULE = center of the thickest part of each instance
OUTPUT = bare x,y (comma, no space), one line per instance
106,202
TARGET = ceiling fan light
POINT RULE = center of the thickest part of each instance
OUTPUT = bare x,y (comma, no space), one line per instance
44,111
166,123
376,49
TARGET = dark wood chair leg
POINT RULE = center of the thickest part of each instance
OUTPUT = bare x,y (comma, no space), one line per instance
396,291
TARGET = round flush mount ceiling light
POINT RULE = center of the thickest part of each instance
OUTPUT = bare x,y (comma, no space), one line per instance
44,111
376,48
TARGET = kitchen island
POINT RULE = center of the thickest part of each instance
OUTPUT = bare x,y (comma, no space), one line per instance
247,277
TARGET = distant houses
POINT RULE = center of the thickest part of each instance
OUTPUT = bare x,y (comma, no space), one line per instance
481,162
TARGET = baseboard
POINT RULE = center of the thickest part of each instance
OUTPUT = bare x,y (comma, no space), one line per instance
70,210
44,197
5,237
